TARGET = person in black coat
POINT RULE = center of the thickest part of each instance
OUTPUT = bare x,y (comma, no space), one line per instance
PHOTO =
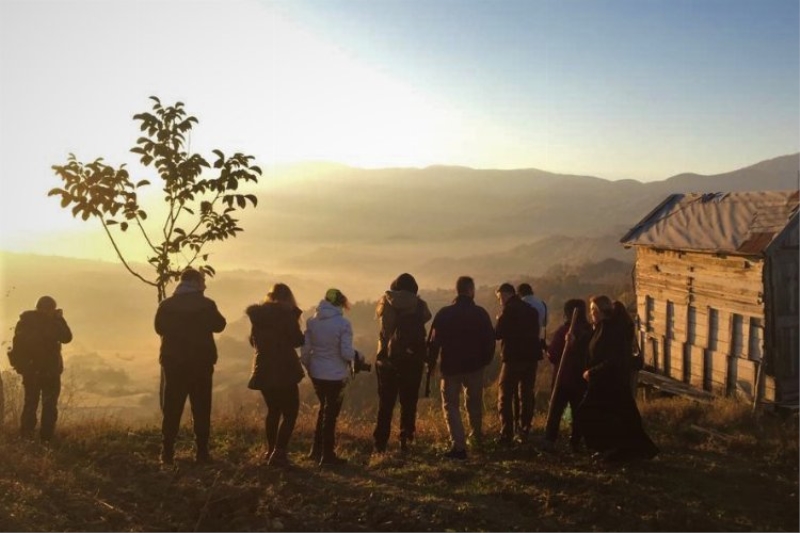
38,337
275,334
464,335
518,331
186,322
608,418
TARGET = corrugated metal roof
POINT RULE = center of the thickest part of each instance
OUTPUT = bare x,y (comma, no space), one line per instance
744,223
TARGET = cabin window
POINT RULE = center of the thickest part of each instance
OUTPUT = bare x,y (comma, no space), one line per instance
737,336
670,320
691,325
755,348
713,329
649,309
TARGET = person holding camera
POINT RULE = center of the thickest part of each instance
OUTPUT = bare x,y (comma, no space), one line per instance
328,356
186,323
36,355
400,359
275,334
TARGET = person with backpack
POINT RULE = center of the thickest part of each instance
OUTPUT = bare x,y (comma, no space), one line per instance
517,330
275,334
401,358
36,355
463,334
186,322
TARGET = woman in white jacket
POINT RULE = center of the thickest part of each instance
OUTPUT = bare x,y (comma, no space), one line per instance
327,356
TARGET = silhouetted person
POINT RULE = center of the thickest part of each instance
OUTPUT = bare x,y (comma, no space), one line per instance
525,292
187,321
275,334
36,347
517,330
570,387
464,335
630,344
400,359
328,354
607,418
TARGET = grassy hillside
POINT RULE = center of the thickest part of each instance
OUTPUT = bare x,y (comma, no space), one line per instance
103,475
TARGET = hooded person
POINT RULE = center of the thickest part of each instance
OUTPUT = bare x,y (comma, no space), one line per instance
402,352
327,356
275,334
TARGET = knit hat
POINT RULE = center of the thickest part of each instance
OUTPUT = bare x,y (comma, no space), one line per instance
335,297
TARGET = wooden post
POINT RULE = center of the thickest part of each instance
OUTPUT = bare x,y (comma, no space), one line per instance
567,345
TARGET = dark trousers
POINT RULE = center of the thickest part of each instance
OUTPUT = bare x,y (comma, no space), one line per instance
283,404
330,395
519,379
47,387
397,379
178,384
572,396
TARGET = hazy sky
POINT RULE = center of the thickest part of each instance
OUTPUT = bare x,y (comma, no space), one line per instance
616,89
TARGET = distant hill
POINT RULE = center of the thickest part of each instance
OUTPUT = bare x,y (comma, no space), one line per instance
362,227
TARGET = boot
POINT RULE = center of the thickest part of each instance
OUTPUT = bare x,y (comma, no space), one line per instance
202,455
331,459
278,457
316,450
167,456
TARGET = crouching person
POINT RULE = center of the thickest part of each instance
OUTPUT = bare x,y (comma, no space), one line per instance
186,322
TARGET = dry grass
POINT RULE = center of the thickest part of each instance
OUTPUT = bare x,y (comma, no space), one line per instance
736,473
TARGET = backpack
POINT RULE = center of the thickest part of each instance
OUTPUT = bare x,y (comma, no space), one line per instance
22,351
409,336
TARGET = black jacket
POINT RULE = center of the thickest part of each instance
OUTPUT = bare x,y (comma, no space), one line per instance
464,334
608,363
38,338
518,330
275,334
187,323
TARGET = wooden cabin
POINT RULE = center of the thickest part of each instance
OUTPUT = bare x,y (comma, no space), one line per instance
716,281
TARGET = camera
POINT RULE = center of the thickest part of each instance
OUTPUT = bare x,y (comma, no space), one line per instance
359,364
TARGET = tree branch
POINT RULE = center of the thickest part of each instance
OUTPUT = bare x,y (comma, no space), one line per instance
144,234
119,254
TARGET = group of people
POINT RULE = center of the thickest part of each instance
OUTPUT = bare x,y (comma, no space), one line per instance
592,364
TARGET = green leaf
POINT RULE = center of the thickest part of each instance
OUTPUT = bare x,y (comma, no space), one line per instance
123,226
111,222
252,198
142,183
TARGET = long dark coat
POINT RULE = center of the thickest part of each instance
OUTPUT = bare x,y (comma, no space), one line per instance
275,334
608,417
